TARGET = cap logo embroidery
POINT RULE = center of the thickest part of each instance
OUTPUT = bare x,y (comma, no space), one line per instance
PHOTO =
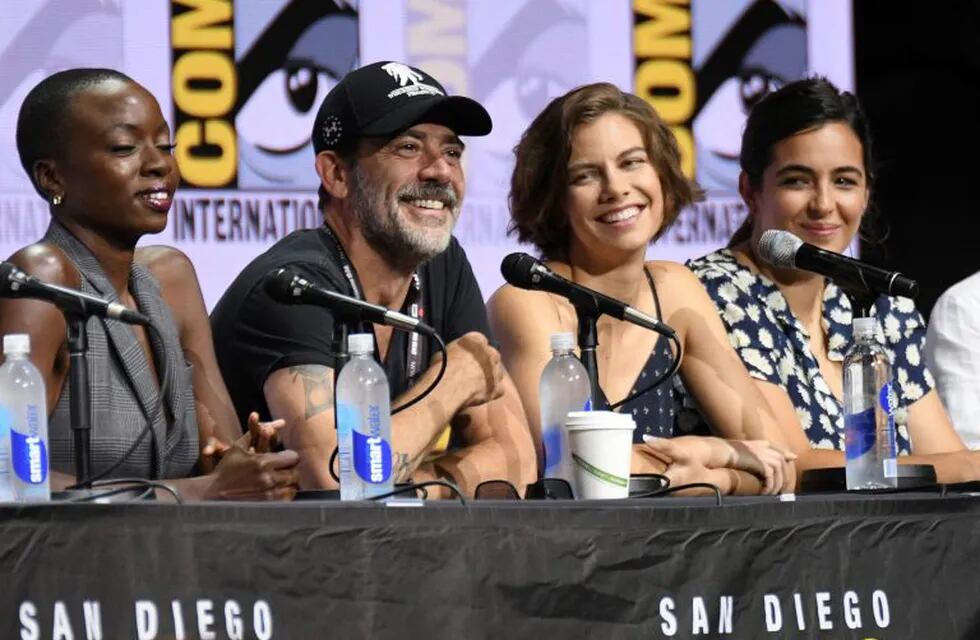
331,130
403,74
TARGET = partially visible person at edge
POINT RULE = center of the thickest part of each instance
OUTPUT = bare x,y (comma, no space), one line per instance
389,158
597,179
953,355
97,149
807,169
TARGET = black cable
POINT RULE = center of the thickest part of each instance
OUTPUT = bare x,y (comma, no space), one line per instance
681,487
157,408
143,481
675,365
110,493
658,476
149,485
427,391
420,485
432,385
333,458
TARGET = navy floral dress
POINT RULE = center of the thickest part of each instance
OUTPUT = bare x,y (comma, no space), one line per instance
776,348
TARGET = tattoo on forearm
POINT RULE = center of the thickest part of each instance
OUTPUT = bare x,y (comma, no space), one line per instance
403,467
317,388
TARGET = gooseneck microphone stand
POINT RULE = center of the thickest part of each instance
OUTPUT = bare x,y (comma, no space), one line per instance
587,310
338,345
79,406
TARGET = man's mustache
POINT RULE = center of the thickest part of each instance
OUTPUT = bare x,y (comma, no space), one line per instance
444,193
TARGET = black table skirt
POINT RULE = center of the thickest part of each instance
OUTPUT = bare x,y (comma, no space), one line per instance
839,566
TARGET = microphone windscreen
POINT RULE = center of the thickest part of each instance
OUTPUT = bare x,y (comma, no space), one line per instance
281,285
779,247
10,276
6,269
517,269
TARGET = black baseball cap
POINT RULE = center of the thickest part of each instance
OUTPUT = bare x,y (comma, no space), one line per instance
385,98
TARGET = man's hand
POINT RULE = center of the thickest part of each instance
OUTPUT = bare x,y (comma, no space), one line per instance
474,368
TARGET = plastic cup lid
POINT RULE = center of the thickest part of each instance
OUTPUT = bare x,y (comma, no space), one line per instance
581,420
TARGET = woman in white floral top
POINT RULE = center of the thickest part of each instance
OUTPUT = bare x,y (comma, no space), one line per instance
806,168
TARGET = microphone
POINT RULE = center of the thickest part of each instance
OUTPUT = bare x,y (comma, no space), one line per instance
288,287
783,249
14,283
527,272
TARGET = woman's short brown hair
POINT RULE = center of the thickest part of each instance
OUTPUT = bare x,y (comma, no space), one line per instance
538,185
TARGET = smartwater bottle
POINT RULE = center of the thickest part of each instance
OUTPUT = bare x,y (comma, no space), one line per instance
869,405
23,412
564,387
363,423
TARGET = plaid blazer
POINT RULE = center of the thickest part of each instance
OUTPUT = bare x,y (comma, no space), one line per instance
122,388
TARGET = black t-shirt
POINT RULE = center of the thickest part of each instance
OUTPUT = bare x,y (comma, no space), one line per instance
254,335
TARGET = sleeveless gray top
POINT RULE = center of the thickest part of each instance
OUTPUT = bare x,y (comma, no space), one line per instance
122,388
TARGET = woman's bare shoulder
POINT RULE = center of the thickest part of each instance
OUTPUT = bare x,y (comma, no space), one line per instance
671,274
47,262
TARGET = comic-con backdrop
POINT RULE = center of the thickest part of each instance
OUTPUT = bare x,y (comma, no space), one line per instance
240,82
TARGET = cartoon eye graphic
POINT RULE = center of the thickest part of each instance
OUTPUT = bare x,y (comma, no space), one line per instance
754,85
293,93
533,91
301,85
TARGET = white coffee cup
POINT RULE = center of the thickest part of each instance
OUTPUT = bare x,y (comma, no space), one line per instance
601,443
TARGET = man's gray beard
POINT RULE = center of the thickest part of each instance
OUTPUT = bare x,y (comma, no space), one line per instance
387,233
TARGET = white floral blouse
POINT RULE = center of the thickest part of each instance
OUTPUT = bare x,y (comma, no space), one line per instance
776,348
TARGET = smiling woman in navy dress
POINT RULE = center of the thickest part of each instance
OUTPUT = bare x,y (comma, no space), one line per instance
597,179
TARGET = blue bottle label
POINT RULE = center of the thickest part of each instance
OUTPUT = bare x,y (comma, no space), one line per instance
372,453
551,441
859,433
28,452
887,398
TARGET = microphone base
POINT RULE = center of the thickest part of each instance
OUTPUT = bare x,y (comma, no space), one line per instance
910,477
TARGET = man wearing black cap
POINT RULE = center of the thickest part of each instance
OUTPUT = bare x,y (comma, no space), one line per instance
389,160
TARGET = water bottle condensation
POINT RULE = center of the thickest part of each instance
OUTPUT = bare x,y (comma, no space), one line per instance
564,387
869,408
363,423
23,414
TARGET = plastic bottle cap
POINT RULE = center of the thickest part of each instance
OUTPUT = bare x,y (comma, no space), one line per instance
863,326
16,343
562,341
360,343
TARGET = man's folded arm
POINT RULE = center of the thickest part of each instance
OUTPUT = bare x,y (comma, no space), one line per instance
303,396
